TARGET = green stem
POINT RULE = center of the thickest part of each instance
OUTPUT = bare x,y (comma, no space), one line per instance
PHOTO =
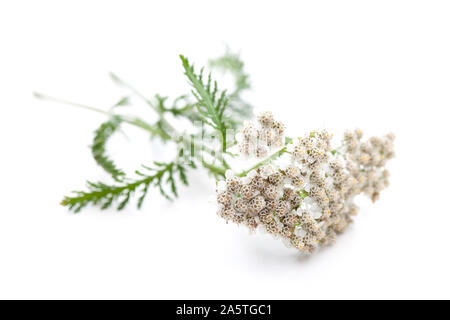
264,162
212,168
337,150
146,126
224,141
132,89
128,119
144,98
143,125
78,105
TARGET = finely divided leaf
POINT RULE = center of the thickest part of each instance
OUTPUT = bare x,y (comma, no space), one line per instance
98,148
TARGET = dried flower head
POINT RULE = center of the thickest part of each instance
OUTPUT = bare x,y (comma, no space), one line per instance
257,140
309,200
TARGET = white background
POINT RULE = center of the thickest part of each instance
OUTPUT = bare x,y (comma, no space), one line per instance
379,65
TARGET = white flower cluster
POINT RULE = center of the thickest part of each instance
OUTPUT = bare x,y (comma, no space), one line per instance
307,202
258,140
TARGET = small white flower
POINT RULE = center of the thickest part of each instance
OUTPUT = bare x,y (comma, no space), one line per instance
280,225
266,171
299,232
252,174
328,182
316,214
221,186
239,137
246,180
229,174
287,243
309,201
307,187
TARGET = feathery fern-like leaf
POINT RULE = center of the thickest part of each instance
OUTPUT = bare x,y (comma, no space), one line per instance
161,175
232,63
98,148
209,106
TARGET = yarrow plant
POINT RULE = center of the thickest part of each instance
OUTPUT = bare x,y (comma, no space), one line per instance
300,190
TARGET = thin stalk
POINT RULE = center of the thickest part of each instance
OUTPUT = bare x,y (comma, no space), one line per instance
143,97
224,141
74,104
214,169
135,121
132,89
264,162
127,119
338,149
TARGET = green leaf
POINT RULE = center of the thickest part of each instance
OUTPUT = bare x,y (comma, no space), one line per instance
105,195
287,141
210,108
231,62
98,148
206,96
123,102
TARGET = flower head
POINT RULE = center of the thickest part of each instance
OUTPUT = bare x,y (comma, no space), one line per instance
309,199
